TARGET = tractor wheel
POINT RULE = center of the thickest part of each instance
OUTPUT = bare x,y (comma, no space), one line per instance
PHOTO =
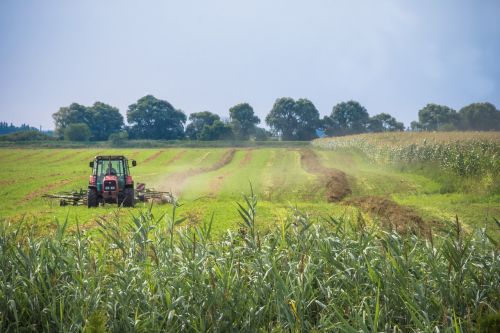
92,198
128,197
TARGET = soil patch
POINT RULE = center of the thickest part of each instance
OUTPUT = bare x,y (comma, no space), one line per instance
335,181
392,215
154,156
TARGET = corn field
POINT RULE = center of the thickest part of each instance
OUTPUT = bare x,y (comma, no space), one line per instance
464,153
153,274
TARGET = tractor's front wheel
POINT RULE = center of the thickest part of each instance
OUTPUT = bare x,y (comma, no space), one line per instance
128,197
92,198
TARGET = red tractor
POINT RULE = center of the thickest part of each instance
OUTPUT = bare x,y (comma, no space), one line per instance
111,182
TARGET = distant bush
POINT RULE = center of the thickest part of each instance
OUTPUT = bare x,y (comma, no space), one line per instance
118,139
261,134
77,132
26,136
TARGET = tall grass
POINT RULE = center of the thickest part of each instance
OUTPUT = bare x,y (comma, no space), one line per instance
153,274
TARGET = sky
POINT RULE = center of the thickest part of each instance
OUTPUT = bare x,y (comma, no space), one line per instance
391,56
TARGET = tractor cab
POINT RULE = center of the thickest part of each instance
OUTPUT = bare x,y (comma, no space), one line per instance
111,181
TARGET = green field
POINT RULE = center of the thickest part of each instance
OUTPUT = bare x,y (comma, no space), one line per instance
365,233
210,181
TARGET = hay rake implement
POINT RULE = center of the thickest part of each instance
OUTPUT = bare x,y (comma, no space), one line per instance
79,198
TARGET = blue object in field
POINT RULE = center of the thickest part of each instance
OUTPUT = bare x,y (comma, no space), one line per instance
320,133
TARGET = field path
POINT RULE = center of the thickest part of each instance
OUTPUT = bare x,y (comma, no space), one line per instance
154,156
175,182
176,157
335,181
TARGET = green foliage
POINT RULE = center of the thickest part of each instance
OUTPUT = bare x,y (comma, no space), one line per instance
102,119
198,120
118,139
73,114
384,122
347,118
217,131
77,132
26,136
433,116
243,120
153,274
152,118
293,120
106,120
5,128
479,117
261,134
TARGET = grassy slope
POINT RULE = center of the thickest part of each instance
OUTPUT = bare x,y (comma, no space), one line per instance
419,187
275,173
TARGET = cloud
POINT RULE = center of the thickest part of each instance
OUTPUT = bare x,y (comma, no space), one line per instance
392,56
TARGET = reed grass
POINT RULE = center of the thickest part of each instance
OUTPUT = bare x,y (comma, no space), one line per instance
150,273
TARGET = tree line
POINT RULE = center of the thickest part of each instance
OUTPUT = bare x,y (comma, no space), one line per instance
6,128
289,119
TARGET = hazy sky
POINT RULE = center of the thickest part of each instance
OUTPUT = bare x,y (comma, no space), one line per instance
391,56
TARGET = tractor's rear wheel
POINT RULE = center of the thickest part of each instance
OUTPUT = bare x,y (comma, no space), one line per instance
92,198
128,197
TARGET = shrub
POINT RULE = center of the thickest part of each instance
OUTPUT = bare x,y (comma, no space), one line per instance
77,132
26,136
118,139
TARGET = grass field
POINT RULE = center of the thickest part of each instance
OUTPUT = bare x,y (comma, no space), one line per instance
210,181
347,234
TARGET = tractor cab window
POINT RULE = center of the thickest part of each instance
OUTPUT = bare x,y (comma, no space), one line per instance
110,167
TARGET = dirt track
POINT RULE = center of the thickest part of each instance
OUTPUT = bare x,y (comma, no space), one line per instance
335,181
176,181
154,156
176,157
391,215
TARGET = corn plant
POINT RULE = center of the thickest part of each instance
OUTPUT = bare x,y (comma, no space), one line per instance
464,153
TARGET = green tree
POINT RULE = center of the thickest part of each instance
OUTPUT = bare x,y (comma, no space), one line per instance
77,132
152,118
384,122
102,119
198,120
479,117
73,114
243,120
415,126
293,120
347,118
433,117
217,131
118,138
261,134
105,120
